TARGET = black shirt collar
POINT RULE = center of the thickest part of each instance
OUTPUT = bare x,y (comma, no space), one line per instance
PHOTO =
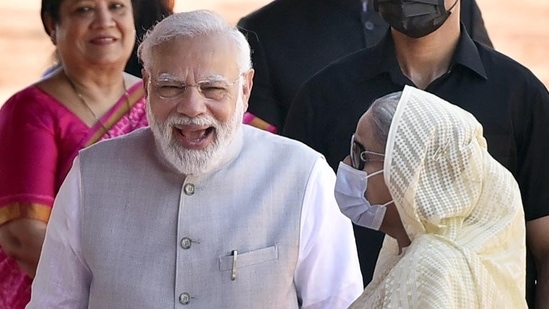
382,58
466,54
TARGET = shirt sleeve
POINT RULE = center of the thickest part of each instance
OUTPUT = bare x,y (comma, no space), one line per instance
63,278
533,151
328,272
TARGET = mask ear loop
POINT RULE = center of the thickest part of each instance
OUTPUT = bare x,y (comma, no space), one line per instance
452,7
387,204
377,173
374,173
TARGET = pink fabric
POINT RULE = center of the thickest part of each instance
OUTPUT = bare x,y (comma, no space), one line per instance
39,140
15,286
257,122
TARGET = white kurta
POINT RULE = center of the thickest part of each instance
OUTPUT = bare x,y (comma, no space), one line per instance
327,273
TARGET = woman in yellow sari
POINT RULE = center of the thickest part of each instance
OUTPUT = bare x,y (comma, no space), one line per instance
452,214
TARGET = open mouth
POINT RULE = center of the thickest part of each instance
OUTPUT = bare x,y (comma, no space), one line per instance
193,137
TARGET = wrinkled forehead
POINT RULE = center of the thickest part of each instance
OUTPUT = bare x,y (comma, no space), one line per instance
194,59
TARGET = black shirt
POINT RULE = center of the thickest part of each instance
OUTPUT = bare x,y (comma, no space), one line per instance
293,39
505,97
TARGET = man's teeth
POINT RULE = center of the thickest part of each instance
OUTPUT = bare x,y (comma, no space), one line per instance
195,135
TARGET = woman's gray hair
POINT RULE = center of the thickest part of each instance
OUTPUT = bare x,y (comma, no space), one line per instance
190,25
382,112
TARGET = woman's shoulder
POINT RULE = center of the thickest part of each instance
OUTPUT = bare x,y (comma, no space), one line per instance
32,105
30,97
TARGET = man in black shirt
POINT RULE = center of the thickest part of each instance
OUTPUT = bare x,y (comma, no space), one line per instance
293,39
509,101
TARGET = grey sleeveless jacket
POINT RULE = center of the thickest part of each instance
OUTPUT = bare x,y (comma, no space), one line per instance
153,238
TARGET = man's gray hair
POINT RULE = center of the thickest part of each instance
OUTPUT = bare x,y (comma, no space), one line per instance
191,25
382,112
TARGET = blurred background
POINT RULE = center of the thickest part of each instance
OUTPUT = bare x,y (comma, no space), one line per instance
518,28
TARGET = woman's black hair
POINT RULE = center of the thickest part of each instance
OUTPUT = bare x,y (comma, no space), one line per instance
51,8
149,13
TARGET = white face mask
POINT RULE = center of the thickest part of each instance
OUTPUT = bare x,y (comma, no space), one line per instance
349,192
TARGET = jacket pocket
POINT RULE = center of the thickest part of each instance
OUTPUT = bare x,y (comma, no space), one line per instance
244,259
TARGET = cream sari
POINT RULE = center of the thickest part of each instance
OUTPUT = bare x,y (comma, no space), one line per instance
461,209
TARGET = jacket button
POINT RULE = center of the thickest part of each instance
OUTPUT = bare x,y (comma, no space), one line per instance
185,242
189,189
184,298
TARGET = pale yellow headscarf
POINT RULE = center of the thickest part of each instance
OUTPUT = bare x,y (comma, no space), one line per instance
461,209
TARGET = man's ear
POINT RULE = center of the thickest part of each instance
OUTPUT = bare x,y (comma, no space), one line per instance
145,81
247,86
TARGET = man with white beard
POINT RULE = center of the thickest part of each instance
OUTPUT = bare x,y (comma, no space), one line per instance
198,209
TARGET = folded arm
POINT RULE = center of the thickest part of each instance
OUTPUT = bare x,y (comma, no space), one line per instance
22,239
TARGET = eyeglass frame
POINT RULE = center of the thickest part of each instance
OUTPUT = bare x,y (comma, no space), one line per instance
358,162
184,86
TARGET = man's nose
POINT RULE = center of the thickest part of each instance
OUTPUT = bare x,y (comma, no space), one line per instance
191,103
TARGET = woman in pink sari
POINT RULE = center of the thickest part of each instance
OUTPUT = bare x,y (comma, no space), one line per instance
42,127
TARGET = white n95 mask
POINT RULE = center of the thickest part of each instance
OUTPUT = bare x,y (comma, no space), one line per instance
349,192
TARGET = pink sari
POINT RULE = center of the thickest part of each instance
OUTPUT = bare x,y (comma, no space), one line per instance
259,123
39,140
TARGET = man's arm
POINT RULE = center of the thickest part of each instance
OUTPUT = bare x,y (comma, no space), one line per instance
62,278
537,237
22,240
327,273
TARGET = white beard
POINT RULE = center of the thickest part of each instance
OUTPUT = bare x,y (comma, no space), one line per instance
191,161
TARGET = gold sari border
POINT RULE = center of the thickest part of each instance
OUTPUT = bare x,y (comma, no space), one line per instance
132,99
18,210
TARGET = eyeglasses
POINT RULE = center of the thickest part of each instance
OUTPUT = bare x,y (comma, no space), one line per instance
215,89
360,156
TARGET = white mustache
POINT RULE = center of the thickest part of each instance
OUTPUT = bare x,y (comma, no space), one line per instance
197,121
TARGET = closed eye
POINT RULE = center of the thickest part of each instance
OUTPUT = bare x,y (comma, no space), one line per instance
213,90
170,90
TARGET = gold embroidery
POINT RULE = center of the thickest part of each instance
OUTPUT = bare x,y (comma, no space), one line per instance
24,210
